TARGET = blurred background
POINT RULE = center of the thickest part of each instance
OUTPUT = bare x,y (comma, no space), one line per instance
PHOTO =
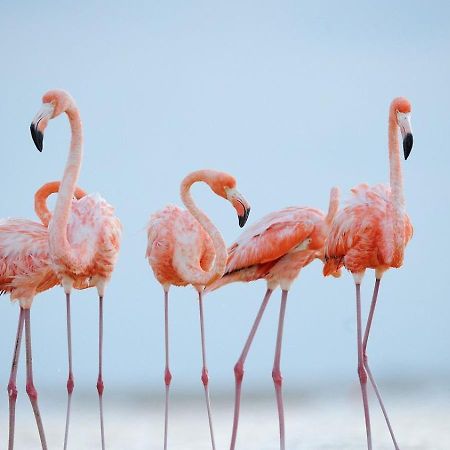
291,98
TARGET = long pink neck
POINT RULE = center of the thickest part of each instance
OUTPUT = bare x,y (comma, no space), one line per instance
396,182
59,245
200,277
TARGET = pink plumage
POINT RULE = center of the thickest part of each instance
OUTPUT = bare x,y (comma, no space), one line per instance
84,234
25,265
176,240
361,236
276,248
372,232
185,248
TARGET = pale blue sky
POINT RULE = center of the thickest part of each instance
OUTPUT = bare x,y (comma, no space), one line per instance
291,98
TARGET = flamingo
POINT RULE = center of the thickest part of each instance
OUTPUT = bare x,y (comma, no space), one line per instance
84,235
275,248
371,232
25,271
184,247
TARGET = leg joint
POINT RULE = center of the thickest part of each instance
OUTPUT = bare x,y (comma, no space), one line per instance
362,374
277,377
100,386
70,384
31,391
239,371
167,377
12,391
205,377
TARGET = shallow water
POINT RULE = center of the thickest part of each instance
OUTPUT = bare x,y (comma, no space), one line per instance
420,416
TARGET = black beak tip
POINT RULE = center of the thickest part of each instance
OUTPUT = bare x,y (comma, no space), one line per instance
244,217
407,145
38,137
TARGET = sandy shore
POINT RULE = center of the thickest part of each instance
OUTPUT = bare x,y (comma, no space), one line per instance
421,419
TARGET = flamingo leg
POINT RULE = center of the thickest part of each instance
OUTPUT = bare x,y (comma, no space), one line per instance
70,379
31,390
12,388
239,367
205,377
361,369
100,385
167,374
276,372
366,364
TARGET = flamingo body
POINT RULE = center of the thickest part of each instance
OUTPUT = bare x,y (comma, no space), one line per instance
25,263
361,236
24,260
176,240
277,247
185,248
84,237
93,233
372,232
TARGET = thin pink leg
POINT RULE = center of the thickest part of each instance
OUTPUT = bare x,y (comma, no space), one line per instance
361,370
12,388
70,379
276,372
31,391
239,367
366,364
205,377
100,385
167,374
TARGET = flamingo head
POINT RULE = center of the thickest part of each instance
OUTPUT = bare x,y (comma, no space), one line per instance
53,104
402,108
224,185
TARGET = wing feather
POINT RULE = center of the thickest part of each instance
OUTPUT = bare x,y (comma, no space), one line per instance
269,239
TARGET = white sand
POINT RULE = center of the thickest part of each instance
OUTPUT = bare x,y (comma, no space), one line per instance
421,419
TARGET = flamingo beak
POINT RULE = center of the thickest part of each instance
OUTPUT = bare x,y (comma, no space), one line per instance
39,124
239,203
243,218
404,123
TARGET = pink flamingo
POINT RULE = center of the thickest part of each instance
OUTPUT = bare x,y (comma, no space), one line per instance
25,270
184,247
371,232
275,249
84,235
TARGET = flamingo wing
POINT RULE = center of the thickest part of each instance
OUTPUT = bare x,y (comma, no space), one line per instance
271,238
24,256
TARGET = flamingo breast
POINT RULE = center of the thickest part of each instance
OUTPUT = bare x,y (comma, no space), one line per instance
175,236
94,234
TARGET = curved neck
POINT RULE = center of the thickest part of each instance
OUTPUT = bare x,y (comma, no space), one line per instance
333,206
396,182
41,196
59,246
200,277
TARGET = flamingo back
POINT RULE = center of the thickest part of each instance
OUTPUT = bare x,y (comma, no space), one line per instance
361,233
272,237
25,266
